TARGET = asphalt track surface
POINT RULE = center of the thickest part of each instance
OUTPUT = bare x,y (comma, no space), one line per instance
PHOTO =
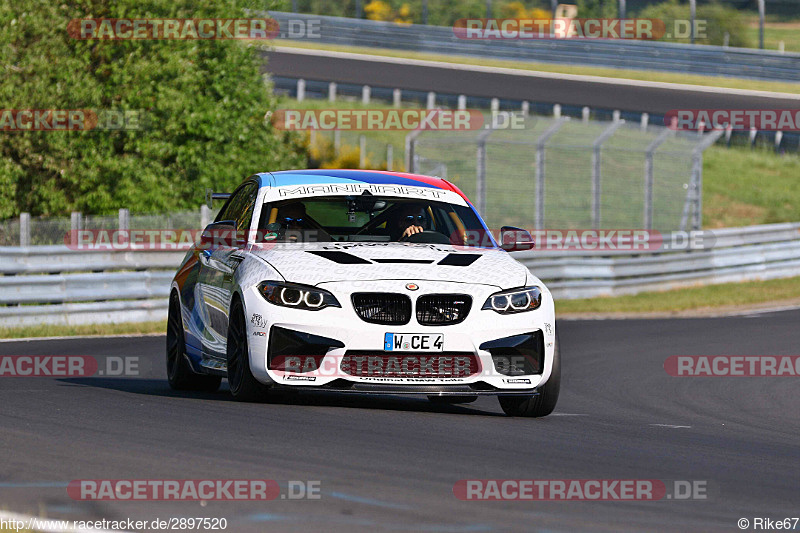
524,85
390,463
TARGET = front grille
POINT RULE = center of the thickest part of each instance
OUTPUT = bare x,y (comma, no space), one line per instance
364,363
442,309
383,307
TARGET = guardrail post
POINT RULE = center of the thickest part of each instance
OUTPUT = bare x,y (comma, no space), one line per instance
480,171
205,216
540,168
585,114
495,105
366,93
389,157
526,108
301,90
644,120
462,102
124,220
778,139
24,229
362,151
596,164
75,224
332,91
337,141
431,100
397,96
692,17
557,110
648,176
411,150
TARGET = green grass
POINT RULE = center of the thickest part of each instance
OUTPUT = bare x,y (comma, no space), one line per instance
743,187
90,329
642,75
774,32
729,295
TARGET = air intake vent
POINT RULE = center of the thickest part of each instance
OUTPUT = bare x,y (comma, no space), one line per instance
442,309
383,307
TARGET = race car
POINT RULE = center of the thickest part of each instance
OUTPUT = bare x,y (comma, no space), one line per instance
362,282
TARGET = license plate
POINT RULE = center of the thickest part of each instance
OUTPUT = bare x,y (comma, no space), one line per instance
413,342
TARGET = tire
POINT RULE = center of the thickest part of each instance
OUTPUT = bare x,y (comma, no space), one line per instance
179,374
453,399
244,387
541,404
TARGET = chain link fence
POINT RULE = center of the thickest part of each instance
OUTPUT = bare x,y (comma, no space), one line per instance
557,172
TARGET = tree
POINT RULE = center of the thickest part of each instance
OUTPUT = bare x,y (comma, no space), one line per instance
204,100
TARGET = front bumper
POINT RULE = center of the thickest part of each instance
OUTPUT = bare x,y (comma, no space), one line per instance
500,345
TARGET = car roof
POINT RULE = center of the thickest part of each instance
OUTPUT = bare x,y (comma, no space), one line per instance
304,177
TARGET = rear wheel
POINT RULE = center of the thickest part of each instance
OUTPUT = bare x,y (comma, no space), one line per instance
243,384
179,373
541,404
453,399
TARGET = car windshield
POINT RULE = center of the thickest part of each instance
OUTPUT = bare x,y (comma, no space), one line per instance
368,219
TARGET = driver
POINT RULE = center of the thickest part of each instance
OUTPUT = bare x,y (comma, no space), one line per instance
406,221
291,216
289,222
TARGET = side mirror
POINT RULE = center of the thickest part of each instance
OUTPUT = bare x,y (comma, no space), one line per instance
516,239
221,233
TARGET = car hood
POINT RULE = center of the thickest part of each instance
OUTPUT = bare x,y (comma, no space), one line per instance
330,262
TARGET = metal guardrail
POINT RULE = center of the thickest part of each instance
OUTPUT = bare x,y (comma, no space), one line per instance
56,285
645,55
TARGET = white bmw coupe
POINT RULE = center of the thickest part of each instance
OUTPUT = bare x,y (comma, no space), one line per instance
363,282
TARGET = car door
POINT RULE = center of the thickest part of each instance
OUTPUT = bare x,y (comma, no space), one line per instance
217,265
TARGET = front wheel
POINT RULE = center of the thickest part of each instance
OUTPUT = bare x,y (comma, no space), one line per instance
241,381
541,404
179,373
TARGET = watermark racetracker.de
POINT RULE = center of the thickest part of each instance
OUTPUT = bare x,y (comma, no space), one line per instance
575,28
733,365
192,490
617,240
68,366
579,490
733,119
26,120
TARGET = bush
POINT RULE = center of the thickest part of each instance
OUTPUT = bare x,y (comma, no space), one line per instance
719,20
205,100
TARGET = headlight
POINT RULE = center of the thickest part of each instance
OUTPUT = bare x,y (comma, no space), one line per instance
297,296
514,300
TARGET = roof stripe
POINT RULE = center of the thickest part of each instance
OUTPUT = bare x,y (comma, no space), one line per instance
294,177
